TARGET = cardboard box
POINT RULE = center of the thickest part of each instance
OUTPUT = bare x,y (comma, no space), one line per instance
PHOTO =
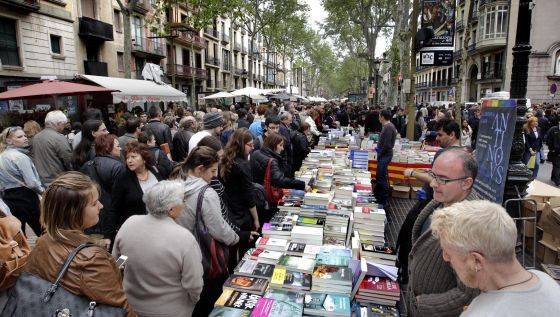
549,224
401,191
414,190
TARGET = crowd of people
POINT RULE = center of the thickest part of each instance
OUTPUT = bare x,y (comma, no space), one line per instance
183,195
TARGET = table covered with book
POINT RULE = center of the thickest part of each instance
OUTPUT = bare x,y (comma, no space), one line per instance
323,253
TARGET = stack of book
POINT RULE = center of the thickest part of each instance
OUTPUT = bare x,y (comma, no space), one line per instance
268,307
317,222
359,159
378,253
264,256
303,250
254,268
240,283
271,244
379,290
376,310
290,280
294,263
316,211
237,299
321,199
334,256
332,279
307,235
370,224
319,304
344,192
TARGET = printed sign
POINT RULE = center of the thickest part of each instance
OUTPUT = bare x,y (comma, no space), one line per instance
436,58
493,146
439,15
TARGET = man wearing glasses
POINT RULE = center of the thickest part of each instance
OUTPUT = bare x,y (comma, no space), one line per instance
433,288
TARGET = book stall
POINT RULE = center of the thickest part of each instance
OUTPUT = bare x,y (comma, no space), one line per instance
323,253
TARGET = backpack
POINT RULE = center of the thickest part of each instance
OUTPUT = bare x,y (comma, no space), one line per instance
14,251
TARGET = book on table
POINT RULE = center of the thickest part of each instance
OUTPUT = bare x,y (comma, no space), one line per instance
272,244
247,284
359,271
327,259
265,256
297,264
327,305
237,299
285,295
286,279
254,268
302,250
377,310
221,311
268,307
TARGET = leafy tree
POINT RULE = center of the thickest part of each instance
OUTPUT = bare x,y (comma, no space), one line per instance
371,17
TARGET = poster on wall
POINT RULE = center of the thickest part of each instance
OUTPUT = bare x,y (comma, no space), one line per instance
439,15
493,146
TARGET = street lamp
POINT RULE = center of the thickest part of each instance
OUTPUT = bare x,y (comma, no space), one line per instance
376,64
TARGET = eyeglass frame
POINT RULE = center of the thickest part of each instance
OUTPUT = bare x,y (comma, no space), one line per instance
445,181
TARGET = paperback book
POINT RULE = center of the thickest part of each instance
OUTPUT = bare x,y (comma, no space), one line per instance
236,299
268,307
254,268
247,284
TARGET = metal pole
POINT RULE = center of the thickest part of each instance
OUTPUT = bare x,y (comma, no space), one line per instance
519,174
376,87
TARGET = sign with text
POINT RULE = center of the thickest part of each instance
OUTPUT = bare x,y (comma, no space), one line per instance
439,15
436,58
493,146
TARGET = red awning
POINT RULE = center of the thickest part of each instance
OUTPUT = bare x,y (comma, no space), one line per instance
52,88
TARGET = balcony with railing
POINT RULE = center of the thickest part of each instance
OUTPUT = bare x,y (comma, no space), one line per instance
144,46
459,25
189,38
225,38
212,61
200,74
142,6
236,46
243,49
457,54
472,48
95,68
491,41
22,5
492,76
212,33
219,84
238,71
421,85
95,30
226,67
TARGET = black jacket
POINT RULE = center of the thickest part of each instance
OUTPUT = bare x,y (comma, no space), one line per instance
181,145
161,131
287,155
238,185
301,148
259,163
161,162
344,118
243,123
104,170
553,140
372,124
127,196
532,141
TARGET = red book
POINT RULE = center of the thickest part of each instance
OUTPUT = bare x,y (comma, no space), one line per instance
361,187
379,285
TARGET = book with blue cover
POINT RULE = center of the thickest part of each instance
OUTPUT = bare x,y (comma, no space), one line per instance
327,305
327,259
221,311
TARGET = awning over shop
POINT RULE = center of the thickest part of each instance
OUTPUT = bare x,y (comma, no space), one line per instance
134,90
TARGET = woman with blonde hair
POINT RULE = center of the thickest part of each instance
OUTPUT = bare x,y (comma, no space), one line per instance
70,205
230,119
478,239
31,128
533,137
19,180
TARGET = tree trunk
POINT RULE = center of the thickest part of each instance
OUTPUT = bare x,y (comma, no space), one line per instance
410,102
404,42
463,63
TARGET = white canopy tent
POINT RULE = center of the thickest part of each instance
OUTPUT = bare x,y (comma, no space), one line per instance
249,92
135,90
221,94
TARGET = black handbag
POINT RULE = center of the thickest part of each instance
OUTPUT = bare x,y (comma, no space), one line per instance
34,296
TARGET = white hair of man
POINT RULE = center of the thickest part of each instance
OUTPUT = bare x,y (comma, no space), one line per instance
163,196
54,118
187,121
284,115
477,225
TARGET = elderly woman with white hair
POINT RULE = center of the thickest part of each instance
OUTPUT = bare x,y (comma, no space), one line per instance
163,274
478,239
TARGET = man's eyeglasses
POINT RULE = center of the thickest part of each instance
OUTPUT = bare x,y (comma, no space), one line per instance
444,180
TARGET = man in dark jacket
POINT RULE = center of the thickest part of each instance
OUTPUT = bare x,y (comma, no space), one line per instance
286,132
344,116
295,117
271,125
242,122
182,137
387,139
161,131
553,143
473,122
132,126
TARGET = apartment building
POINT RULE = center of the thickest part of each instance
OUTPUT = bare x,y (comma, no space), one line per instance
36,39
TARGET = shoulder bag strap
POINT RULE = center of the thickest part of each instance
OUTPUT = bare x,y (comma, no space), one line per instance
64,268
199,206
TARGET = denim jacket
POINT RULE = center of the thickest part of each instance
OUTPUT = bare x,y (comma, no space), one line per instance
17,170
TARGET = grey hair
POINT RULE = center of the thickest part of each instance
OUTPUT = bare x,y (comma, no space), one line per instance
163,196
186,122
470,167
285,115
55,117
